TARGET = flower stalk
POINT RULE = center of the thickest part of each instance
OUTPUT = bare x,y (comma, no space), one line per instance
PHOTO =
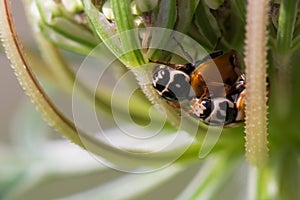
256,86
28,81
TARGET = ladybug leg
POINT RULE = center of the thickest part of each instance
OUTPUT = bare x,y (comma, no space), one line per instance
186,54
237,88
163,63
227,88
197,108
240,105
187,68
205,93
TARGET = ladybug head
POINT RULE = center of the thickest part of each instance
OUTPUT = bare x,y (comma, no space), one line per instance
171,84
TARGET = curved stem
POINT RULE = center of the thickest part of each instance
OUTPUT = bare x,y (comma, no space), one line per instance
27,79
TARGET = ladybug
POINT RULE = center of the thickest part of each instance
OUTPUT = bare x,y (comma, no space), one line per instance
228,111
213,87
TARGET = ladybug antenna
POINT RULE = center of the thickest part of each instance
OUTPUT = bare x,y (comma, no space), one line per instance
186,68
163,63
218,42
186,54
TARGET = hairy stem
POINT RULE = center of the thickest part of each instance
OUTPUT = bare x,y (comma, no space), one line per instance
27,79
256,65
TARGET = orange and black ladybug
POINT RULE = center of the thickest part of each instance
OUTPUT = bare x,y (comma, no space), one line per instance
213,87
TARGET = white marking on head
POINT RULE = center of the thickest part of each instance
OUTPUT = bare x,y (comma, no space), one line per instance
174,72
216,105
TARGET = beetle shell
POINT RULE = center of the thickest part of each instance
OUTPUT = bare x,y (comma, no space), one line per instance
215,76
171,84
217,111
213,88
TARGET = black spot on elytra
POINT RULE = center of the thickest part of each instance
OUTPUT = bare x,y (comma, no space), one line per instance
223,105
180,87
220,116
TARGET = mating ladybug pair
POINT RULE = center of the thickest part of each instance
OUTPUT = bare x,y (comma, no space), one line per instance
212,89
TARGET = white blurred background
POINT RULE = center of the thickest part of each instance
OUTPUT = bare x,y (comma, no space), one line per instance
11,93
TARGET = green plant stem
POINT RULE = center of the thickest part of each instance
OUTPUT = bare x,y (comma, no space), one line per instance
165,17
288,174
282,85
286,25
296,43
207,25
186,12
129,39
210,178
102,27
282,55
259,183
